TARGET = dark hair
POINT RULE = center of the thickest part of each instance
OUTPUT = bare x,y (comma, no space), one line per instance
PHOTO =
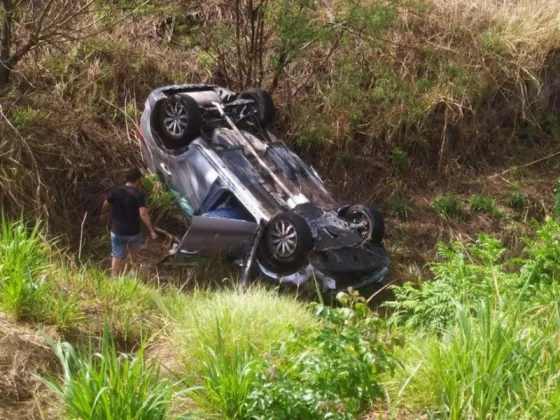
133,175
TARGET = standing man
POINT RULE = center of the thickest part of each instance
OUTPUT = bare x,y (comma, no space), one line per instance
128,207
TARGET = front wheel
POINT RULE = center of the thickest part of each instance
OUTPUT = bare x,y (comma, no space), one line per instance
285,243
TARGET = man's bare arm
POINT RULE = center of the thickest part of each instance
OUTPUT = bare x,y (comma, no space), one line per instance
145,216
105,208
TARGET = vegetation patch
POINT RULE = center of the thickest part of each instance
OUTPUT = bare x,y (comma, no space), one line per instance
447,206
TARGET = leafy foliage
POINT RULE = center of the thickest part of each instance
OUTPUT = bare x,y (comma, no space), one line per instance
332,371
464,276
335,373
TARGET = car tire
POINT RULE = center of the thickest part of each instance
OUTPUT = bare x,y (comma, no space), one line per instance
177,121
375,223
285,243
264,105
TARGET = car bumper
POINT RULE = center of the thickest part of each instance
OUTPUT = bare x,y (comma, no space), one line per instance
348,273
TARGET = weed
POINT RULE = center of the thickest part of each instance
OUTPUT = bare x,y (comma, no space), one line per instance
110,385
459,280
447,205
517,199
484,204
399,158
331,373
399,206
490,347
23,117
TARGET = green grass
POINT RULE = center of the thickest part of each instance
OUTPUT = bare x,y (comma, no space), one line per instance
493,354
399,206
447,206
517,199
254,319
478,341
109,384
24,262
484,204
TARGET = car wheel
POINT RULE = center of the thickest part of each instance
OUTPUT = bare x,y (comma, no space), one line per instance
285,243
264,105
177,121
371,220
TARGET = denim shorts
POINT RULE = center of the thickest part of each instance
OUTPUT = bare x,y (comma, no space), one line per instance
121,243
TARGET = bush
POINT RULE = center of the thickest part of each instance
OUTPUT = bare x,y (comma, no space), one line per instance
465,275
447,206
482,338
258,355
330,373
110,385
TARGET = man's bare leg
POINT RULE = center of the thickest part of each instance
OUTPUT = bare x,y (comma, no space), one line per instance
116,266
132,259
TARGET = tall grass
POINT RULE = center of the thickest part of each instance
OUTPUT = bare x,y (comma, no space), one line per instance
496,355
253,319
111,385
24,262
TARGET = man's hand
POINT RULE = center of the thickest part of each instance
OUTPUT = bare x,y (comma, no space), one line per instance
105,210
153,235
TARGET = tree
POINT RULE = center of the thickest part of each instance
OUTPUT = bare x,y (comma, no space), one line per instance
31,24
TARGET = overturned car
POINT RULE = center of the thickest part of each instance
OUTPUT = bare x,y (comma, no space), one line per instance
249,196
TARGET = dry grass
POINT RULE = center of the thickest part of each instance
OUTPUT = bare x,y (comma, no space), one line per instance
23,354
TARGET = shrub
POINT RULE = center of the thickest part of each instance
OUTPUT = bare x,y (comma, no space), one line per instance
109,384
465,275
330,373
447,206
484,204
493,352
542,254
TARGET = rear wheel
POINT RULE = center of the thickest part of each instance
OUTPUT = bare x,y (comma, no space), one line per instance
285,243
177,121
264,106
369,221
